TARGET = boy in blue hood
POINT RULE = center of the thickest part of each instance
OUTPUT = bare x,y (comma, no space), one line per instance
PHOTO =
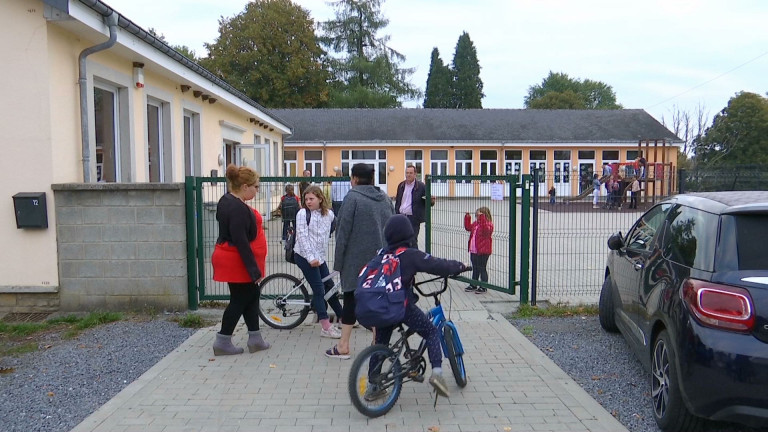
398,233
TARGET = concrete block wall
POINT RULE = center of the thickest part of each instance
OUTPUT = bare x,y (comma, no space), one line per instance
121,246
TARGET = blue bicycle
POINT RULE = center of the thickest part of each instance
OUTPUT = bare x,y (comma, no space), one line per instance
376,376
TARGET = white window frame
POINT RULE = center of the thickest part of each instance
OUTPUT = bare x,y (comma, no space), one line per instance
190,124
115,129
158,105
416,162
315,166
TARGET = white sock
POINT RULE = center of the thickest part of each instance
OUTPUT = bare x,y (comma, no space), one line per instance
437,371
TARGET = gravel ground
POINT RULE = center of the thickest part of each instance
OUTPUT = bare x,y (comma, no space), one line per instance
58,386
603,365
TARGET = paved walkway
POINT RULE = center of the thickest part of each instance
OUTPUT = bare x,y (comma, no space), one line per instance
293,387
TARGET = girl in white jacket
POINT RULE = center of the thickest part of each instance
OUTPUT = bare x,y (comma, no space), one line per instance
310,252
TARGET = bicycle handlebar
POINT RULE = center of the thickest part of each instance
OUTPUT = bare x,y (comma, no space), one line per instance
445,283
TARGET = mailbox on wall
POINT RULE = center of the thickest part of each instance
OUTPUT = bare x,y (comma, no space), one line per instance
31,210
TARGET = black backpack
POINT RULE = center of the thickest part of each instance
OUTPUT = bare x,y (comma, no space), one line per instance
289,207
290,242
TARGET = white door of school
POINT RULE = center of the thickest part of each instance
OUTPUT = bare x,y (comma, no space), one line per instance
586,171
562,178
513,167
439,188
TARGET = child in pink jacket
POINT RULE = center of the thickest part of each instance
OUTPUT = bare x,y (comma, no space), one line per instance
480,246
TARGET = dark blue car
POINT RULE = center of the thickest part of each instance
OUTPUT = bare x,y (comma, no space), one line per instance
687,286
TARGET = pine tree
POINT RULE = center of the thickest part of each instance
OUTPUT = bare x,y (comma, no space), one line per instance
439,83
366,73
467,85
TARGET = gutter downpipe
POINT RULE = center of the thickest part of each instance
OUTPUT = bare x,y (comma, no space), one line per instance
111,21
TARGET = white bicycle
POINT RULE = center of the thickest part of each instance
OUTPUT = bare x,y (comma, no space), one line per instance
285,300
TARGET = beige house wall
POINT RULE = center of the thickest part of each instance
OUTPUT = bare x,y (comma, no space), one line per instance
28,258
40,129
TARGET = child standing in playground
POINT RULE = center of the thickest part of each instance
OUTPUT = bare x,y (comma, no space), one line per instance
552,194
480,246
596,187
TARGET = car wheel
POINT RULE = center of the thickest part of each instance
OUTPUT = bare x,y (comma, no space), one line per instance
669,410
606,308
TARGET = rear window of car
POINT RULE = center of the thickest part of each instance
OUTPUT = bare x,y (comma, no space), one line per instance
752,241
692,237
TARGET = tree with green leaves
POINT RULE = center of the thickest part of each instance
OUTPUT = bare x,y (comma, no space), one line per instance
271,53
366,73
439,84
183,49
738,134
467,85
559,91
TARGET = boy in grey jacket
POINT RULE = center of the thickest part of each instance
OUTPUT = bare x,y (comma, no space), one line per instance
359,236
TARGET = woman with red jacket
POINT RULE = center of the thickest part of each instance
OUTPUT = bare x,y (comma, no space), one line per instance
480,246
239,258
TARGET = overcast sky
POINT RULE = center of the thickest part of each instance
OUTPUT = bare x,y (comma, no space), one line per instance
657,55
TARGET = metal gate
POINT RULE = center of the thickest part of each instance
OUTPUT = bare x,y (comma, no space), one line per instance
446,236
508,197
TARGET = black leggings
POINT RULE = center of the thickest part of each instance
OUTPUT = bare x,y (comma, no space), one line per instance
243,301
479,264
348,309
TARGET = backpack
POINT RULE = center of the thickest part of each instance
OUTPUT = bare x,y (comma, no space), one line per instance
290,241
380,298
289,207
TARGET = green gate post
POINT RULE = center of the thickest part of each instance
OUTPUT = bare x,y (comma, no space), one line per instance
512,181
525,242
428,215
189,187
200,245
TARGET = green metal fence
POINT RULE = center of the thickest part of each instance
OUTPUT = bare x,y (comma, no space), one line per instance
202,196
444,233
508,199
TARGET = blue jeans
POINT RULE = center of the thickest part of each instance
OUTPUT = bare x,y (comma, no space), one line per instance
418,321
314,276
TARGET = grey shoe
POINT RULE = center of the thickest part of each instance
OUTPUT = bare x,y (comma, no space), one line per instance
438,383
256,342
374,392
223,346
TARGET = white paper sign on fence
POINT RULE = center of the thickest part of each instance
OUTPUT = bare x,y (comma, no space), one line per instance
497,192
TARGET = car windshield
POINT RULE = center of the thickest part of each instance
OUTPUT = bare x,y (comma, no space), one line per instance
752,241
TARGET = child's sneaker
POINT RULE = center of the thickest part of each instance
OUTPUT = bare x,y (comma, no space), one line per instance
374,392
469,288
438,383
332,333
481,290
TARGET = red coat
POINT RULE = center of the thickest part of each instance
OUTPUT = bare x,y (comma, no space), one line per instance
228,264
481,230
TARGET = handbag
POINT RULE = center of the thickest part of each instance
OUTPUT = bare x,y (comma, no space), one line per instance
290,241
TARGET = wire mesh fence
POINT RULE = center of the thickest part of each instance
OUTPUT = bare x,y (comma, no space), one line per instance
744,177
461,198
208,191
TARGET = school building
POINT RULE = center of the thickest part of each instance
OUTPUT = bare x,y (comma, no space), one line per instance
564,145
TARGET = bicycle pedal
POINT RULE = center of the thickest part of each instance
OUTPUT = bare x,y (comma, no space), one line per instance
415,376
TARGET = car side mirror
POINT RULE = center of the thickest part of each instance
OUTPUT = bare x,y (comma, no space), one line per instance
616,241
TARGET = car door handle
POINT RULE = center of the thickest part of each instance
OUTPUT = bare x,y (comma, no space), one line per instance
639,266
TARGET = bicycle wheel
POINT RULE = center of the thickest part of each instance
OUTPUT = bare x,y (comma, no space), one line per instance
455,357
278,293
374,380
